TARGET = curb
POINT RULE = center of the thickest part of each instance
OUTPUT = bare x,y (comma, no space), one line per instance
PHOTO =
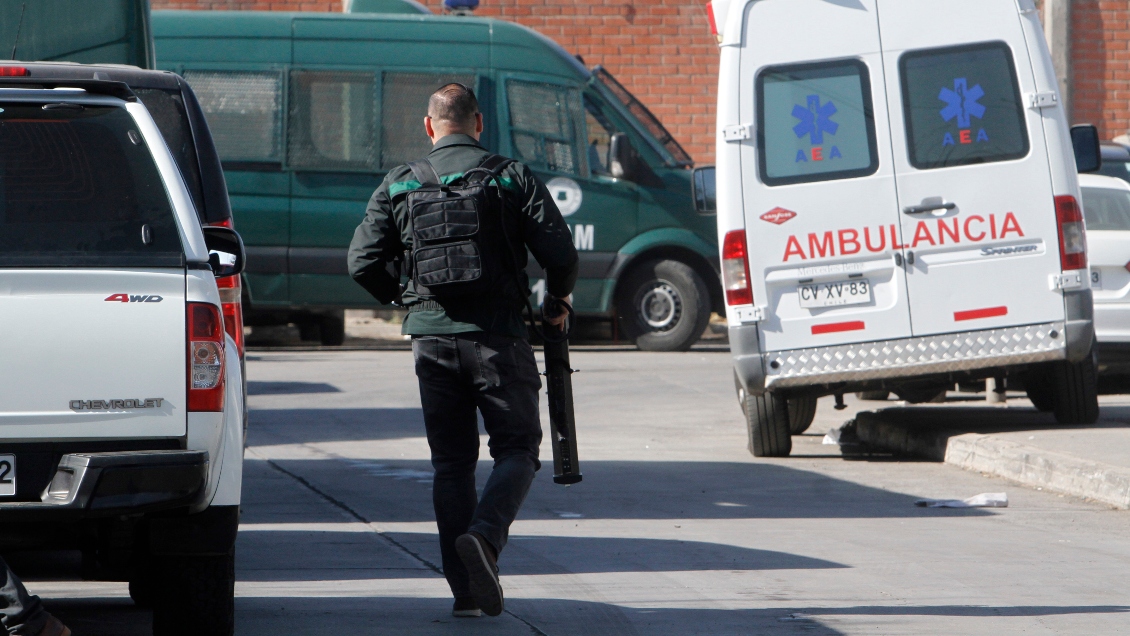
1026,465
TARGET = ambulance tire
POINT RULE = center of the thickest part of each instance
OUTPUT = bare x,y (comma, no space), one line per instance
1076,392
1038,386
197,596
677,297
802,411
767,422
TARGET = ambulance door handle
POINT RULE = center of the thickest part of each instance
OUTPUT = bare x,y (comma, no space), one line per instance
928,207
910,258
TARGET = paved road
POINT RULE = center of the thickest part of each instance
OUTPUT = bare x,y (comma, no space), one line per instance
676,529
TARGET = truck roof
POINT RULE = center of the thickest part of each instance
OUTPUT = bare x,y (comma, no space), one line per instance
512,47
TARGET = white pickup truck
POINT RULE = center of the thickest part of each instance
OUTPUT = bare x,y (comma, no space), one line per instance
121,394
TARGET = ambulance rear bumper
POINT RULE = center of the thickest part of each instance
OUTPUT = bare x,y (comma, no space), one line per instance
889,359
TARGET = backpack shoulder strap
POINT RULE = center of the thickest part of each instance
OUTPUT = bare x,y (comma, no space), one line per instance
490,167
424,172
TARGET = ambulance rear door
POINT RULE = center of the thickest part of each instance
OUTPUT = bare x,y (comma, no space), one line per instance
821,210
975,194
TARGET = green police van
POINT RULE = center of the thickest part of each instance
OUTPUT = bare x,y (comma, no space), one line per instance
309,110
103,32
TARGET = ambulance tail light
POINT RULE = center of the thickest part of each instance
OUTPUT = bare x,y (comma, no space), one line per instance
1072,237
205,358
735,269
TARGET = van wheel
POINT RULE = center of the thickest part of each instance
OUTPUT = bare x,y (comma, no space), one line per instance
197,596
308,331
1039,387
663,305
767,422
802,411
1075,392
333,330
874,396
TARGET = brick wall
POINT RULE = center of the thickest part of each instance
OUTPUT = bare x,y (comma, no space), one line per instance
1101,65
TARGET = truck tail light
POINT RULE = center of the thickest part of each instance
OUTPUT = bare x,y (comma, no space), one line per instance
735,269
1072,237
231,304
205,357
14,71
231,301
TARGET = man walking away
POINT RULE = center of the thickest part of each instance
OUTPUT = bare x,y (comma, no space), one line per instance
460,222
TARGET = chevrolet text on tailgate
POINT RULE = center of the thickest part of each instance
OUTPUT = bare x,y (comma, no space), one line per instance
897,207
121,400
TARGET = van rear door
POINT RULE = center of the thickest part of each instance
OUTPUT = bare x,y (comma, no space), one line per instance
978,213
92,278
818,186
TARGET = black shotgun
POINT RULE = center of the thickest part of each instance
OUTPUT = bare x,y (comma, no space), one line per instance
559,387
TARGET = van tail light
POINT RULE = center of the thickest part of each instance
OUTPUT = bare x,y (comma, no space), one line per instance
735,269
231,301
14,71
1072,237
205,358
713,22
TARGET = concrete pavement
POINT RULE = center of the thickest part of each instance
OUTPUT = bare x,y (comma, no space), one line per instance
676,529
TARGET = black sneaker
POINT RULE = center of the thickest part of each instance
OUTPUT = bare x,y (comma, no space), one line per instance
466,607
479,558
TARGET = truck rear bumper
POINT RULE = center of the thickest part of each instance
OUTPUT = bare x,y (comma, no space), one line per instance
907,357
102,484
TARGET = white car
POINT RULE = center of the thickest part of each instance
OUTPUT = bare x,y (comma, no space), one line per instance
121,401
1106,209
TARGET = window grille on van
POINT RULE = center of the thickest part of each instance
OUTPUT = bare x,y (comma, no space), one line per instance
545,123
404,102
244,112
332,123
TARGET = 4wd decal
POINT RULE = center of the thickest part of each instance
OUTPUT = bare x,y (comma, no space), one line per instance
962,104
972,229
777,216
134,298
815,120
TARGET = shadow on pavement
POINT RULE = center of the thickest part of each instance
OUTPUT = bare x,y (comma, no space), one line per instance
335,425
397,491
289,388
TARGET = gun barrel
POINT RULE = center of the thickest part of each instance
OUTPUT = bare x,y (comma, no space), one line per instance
559,388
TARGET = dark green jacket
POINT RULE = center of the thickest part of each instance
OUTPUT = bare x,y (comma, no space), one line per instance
377,252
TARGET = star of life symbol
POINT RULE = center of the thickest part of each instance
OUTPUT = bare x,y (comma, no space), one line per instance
961,102
815,120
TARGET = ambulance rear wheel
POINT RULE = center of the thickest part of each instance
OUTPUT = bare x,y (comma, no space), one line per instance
1076,392
802,411
767,422
663,305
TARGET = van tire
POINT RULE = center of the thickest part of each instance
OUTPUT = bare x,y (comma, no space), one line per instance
197,596
142,583
802,411
679,302
332,330
767,422
1075,391
308,331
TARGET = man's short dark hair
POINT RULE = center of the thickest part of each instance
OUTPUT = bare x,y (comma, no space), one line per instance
455,104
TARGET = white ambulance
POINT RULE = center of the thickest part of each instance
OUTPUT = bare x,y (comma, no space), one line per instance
898,206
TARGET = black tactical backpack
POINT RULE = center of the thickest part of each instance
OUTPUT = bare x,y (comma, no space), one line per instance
460,245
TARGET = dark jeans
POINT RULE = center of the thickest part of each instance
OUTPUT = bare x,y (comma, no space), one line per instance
20,613
498,377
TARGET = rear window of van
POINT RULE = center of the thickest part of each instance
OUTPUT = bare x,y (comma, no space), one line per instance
815,123
962,106
78,187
